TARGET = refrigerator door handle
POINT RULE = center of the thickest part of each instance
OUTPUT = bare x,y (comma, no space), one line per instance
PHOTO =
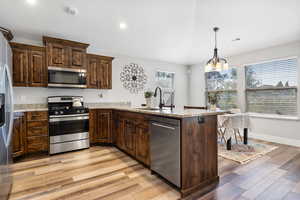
11,117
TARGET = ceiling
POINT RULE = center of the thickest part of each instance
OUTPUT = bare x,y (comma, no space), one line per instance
176,31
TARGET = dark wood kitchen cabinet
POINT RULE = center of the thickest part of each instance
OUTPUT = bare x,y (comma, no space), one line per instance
143,143
100,126
30,132
99,71
37,69
57,55
132,135
20,67
65,53
19,134
37,131
29,67
105,73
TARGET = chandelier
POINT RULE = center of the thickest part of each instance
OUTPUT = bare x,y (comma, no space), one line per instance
216,63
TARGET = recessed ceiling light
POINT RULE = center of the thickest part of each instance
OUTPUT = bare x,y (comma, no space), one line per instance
31,2
123,25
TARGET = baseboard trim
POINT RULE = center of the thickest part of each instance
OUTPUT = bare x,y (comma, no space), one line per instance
275,139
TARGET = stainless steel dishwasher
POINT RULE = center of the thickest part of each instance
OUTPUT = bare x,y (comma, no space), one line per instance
165,148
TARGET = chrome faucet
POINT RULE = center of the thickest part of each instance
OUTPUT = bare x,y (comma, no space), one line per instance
161,104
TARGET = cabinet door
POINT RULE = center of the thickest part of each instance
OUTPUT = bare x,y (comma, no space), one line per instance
120,140
57,55
92,73
142,144
104,127
37,69
92,125
105,74
78,57
20,67
129,137
19,134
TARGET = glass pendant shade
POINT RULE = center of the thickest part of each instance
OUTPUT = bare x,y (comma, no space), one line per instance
225,66
208,67
219,66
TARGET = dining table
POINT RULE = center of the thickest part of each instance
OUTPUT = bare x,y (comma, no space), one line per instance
236,121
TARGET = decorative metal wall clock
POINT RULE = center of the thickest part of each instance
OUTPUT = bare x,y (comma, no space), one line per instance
133,78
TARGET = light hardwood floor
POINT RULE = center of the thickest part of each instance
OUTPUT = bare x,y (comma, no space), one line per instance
107,173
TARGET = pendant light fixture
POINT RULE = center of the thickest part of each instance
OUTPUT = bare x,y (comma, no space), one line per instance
216,63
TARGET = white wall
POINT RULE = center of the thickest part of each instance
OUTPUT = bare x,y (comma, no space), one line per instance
118,93
276,130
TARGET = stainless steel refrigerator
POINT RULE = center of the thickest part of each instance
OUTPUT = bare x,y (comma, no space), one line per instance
6,117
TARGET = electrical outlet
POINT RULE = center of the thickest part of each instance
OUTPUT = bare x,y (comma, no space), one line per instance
100,95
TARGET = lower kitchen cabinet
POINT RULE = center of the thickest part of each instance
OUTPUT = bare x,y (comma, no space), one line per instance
30,132
100,125
132,135
19,134
119,132
143,143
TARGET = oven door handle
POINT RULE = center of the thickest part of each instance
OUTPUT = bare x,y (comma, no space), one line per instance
65,119
68,116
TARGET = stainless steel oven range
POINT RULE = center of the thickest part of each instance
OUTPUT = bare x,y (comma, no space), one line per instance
68,124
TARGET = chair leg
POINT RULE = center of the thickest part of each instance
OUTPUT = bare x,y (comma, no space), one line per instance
238,131
234,132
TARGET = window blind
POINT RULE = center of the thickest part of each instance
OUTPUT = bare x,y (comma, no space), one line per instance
271,87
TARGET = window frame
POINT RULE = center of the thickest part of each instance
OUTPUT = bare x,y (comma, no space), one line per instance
166,90
219,91
269,115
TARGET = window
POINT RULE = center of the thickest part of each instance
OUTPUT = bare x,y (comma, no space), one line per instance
165,80
271,87
225,85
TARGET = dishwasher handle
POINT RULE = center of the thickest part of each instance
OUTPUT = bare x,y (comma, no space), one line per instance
163,126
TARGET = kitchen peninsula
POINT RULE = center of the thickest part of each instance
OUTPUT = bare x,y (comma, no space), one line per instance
130,129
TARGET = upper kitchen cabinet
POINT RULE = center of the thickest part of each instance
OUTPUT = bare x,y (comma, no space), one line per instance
29,67
65,53
99,71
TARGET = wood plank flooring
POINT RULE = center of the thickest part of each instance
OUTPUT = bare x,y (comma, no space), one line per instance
107,173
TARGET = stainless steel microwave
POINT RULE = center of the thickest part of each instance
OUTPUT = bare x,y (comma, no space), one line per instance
67,77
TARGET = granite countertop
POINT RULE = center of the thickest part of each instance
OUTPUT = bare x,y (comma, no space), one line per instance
176,113
30,107
126,106
44,107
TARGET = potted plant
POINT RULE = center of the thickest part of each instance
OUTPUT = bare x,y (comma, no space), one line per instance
148,97
213,99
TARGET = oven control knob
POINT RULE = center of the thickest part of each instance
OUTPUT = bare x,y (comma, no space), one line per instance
61,112
78,111
56,112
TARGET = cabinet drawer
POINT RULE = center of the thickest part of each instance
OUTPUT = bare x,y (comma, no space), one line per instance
32,124
37,116
37,143
37,131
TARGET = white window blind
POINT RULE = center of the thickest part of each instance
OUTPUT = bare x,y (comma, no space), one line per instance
223,83
271,87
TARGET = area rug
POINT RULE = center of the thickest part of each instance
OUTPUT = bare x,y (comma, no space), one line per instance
245,153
